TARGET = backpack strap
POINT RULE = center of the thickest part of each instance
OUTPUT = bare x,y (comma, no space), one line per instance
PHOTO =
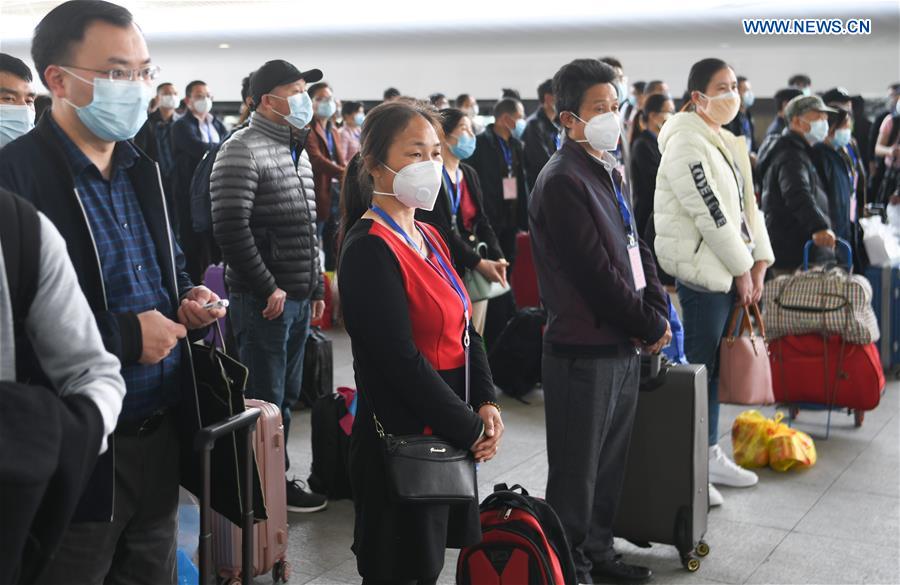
20,237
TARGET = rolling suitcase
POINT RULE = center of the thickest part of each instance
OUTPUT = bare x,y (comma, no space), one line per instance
524,277
242,425
270,537
886,303
318,369
810,371
665,497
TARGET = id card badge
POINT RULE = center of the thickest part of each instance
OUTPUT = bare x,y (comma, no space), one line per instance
510,189
637,265
745,232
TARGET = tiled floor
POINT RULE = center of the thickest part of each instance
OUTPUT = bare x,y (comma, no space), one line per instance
838,522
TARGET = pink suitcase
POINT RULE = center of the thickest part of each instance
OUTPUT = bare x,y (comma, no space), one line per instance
270,537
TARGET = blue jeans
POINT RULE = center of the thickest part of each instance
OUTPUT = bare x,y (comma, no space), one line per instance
272,351
705,318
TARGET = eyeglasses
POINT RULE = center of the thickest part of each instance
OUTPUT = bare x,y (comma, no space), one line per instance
148,73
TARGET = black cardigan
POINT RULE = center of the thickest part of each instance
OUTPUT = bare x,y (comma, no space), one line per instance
461,241
394,541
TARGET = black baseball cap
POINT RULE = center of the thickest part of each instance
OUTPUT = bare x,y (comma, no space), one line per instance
275,73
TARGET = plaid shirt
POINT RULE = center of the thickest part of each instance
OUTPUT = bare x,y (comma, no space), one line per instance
130,268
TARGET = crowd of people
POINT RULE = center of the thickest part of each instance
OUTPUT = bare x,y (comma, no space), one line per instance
628,195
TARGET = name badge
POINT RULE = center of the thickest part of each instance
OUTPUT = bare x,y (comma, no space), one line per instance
510,189
637,266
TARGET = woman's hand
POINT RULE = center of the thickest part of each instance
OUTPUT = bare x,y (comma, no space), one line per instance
744,286
493,270
758,276
486,447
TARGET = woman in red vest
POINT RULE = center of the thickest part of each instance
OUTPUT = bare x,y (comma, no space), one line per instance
407,313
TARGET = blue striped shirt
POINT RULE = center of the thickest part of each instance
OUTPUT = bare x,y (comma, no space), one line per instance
129,265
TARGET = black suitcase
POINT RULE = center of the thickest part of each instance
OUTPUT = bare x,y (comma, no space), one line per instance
665,498
330,473
318,369
515,358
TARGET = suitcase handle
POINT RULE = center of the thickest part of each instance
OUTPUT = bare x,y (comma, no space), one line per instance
242,424
841,242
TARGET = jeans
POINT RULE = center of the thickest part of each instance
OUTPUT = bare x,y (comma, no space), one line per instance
705,318
272,351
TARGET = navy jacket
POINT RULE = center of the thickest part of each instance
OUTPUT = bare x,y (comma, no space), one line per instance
188,149
582,262
35,167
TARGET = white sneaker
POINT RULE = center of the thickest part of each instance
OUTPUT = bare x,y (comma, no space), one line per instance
724,471
715,498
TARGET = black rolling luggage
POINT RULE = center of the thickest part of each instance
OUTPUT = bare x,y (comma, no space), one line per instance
665,498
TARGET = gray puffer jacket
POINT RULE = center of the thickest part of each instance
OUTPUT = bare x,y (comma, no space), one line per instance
264,213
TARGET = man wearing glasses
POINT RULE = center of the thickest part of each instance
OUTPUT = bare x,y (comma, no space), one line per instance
79,168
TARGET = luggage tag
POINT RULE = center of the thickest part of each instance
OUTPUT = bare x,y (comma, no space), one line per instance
637,265
510,189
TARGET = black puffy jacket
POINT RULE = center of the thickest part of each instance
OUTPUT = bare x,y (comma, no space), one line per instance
264,213
793,200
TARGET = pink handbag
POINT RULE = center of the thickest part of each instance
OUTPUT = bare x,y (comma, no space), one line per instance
745,375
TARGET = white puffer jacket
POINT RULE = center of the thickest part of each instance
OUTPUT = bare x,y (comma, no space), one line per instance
697,206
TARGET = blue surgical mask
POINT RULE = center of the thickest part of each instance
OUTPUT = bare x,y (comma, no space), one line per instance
842,137
748,98
806,91
632,99
326,109
818,131
301,109
621,91
359,118
464,147
117,110
519,130
15,121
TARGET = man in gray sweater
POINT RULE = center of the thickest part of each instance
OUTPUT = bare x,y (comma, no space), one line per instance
264,220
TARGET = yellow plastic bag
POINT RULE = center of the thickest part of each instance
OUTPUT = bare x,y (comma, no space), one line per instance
750,438
789,448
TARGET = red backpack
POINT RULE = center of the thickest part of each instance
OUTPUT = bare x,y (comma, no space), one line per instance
522,543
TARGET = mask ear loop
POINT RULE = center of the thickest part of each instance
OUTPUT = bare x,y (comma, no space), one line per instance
382,192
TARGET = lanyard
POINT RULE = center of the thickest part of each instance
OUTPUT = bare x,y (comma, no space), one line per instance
507,154
455,193
330,140
626,213
444,270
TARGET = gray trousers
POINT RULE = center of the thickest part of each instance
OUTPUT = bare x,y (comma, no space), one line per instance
138,546
590,405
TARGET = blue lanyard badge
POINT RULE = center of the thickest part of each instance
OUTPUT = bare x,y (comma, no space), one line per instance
330,140
444,270
455,193
507,154
625,212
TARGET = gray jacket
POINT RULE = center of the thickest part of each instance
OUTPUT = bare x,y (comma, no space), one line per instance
264,213
63,333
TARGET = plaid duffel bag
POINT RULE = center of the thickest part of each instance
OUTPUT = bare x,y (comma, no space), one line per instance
829,302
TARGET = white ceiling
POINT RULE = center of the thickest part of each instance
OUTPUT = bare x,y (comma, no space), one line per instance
168,19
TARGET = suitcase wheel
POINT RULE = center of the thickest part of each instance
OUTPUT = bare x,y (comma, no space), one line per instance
690,563
702,549
858,417
281,572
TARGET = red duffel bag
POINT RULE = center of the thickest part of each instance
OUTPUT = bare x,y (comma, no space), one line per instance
808,370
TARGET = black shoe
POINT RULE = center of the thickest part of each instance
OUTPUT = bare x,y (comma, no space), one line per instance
301,500
618,572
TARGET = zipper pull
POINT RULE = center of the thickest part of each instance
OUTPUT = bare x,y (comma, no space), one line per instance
508,512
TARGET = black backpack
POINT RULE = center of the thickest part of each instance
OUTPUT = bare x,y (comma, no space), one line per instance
201,203
20,237
330,474
318,368
515,357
